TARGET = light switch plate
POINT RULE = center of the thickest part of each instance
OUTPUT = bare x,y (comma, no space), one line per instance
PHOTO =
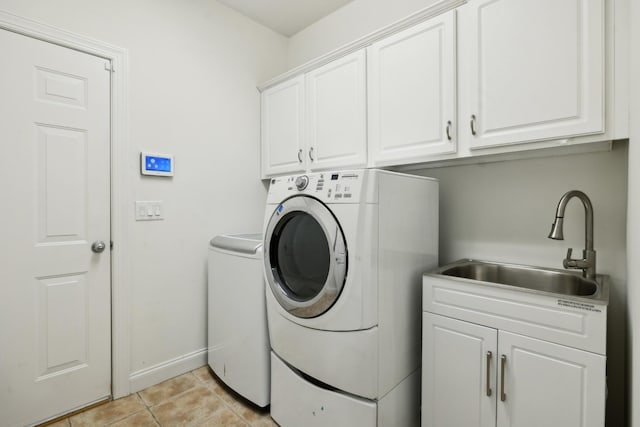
149,210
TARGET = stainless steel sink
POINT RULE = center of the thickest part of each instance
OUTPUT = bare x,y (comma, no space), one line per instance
559,282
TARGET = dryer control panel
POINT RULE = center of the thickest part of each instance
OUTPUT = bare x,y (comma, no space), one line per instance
329,187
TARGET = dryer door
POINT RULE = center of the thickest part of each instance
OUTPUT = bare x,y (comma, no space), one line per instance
305,256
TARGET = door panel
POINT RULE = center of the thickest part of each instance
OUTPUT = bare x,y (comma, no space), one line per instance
61,191
537,75
548,384
58,87
337,108
282,130
412,96
457,389
62,324
55,129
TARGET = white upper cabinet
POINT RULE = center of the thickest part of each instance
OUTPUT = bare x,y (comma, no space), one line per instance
491,77
531,70
412,93
282,130
336,114
316,121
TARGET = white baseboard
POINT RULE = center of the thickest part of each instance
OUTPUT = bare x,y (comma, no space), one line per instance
153,375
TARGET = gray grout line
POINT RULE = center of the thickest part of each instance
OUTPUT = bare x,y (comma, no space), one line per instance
223,390
148,409
106,425
199,383
154,417
168,399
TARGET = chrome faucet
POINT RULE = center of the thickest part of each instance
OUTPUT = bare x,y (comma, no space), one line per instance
588,262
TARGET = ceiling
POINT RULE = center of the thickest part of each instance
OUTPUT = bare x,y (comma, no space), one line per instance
286,17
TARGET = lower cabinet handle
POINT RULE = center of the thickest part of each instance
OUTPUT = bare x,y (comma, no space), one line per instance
300,155
449,130
503,361
311,154
473,124
489,373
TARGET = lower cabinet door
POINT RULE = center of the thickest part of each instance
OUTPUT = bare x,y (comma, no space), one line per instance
458,373
545,384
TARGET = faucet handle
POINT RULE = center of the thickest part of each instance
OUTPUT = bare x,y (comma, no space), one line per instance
569,253
568,262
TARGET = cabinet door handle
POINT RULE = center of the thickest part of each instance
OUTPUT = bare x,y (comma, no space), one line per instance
300,155
449,130
489,373
503,361
311,154
473,124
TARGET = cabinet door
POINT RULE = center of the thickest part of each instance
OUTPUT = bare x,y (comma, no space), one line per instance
336,121
548,384
534,70
412,98
282,114
458,373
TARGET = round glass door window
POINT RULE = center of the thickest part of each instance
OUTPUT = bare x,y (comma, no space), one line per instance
300,256
305,256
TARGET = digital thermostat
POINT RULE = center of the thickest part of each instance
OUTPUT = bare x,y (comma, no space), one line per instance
156,164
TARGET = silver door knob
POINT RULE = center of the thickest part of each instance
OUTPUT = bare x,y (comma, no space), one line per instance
98,246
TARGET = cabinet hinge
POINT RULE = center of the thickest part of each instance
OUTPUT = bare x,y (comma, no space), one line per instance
109,67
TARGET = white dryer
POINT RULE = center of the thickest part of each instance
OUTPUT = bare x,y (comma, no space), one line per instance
344,254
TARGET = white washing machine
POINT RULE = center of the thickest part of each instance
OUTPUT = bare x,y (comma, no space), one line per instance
238,341
344,254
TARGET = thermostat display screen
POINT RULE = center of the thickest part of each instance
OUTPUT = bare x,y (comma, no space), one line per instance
160,164
156,164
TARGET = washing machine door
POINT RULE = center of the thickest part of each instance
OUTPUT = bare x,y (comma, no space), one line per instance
305,256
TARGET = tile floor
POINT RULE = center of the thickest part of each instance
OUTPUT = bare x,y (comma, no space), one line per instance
197,399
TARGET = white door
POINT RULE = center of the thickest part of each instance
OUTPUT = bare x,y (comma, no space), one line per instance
282,133
532,70
458,373
337,114
547,384
55,174
412,95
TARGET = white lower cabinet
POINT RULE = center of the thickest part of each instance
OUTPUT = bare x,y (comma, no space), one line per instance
547,384
475,375
458,373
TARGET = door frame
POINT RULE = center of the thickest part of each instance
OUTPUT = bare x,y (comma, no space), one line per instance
118,58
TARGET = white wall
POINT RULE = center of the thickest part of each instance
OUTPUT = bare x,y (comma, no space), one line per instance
633,227
352,21
194,67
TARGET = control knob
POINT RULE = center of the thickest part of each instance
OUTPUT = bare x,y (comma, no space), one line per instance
301,182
